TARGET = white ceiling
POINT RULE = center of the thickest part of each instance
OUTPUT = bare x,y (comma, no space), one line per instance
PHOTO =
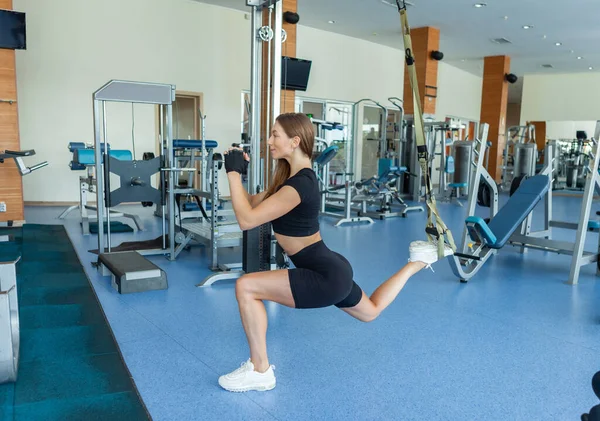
466,31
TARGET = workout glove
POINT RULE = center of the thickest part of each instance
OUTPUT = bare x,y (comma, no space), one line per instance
234,161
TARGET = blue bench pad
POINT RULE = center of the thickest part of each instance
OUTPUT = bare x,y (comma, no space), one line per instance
194,144
514,212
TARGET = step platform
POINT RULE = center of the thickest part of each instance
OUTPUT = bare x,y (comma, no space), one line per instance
132,272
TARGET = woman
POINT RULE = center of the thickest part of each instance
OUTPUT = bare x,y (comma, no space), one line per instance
321,277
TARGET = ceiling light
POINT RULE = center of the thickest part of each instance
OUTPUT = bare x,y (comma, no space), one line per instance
331,21
505,17
544,37
579,58
527,26
591,68
479,5
558,44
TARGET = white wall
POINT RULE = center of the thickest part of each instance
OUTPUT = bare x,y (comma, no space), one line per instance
561,97
459,93
349,69
197,47
568,129
70,55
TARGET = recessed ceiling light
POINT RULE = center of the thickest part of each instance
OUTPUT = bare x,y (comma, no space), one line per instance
591,68
331,21
579,58
558,44
479,5
527,26
544,37
505,17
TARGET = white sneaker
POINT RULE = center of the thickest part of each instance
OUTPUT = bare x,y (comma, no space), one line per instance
426,252
245,379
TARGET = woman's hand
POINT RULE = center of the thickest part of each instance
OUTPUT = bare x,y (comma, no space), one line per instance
236,160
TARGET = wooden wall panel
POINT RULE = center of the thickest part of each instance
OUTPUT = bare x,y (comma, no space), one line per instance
494,100
11,188
288,48
424,41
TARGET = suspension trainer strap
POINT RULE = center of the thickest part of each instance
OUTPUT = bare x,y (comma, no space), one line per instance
435,227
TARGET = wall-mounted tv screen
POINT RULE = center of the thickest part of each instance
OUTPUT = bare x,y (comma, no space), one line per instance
295,73
12,30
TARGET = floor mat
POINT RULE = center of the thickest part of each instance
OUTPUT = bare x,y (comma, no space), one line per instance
70,366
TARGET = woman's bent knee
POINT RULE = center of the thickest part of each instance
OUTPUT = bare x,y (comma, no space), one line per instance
243,287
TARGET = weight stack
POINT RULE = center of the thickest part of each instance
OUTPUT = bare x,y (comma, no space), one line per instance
463,153
256,256
525,159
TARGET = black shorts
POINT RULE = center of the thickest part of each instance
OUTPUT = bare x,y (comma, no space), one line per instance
322,278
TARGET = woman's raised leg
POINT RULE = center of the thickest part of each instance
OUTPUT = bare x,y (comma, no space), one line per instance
369,308
422,254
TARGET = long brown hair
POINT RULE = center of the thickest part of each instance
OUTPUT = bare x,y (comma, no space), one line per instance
293,124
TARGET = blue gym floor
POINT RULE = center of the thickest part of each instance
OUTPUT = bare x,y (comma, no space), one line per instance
515,343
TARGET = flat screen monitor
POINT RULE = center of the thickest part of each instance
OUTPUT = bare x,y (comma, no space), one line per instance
12,30
295,73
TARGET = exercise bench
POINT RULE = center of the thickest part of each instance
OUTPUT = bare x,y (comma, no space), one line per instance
493,235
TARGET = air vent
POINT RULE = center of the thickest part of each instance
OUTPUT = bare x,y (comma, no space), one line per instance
501,41
548,66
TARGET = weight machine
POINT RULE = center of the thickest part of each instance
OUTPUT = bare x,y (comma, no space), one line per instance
10,339
130,271
512,224
515,135
84,159
381,190
260,251
572,161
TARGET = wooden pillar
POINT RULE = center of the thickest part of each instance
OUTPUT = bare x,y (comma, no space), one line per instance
494,100
11,187
288,48
424,41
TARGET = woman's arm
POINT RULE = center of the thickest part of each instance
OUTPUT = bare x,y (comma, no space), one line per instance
248,217
256,199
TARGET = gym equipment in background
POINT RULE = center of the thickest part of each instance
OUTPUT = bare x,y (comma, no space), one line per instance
18,157
9,322
259,249
335,197
512,224
515,135
84,160
435,228
129,270
9,304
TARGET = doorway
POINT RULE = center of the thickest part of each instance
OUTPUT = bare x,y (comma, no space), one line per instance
187,124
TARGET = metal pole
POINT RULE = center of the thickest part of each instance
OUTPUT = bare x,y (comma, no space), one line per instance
268,104
204,158
99,175
277,60
254,184
106,184
170,164
163,175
